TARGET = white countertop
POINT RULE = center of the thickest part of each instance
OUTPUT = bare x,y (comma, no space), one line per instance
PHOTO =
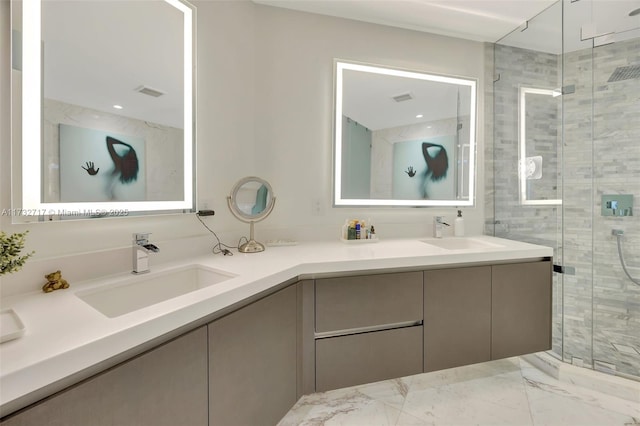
64,335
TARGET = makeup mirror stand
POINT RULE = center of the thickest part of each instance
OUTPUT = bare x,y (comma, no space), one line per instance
251,246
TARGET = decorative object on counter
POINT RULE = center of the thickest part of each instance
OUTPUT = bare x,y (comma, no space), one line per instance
357,231
11,326
54,282
458,225
251,200
12,245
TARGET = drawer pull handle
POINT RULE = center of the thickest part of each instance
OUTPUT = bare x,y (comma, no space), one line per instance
359,330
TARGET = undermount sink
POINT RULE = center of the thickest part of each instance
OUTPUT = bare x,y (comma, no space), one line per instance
460,243
137,292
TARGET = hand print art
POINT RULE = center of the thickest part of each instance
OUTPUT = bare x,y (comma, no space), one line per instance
428,177
96,165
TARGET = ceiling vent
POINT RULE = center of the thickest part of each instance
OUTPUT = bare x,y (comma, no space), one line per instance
403,97
150,91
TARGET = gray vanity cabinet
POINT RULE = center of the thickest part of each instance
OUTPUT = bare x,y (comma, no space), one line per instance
521,308
368,357
480,313
457,317
250,366
252,362
346,303
367,328
165,386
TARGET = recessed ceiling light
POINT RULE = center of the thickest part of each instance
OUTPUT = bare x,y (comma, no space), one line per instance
428,127
419,116
635,12
117,106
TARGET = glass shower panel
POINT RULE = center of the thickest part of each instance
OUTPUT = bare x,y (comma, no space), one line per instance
616,165
573,72
578,198
527,148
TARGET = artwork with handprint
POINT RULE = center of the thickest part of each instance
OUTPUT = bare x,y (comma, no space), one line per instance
90,168
95,180
431,179
437,160
410,172
125,160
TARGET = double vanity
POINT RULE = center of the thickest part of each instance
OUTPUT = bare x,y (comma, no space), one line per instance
238,339
221,340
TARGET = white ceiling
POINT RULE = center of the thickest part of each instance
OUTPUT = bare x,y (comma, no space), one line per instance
367,98
480,20
606,20
96,53
490,20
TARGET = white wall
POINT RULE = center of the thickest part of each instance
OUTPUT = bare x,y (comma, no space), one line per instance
264,107
294,104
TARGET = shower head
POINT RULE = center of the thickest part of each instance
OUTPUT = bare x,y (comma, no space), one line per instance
625,73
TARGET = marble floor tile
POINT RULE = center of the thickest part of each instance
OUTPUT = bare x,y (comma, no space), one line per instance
505,392
561,403
498,399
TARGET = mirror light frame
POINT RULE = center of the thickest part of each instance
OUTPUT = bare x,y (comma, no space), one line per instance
522,146
339,67
32,125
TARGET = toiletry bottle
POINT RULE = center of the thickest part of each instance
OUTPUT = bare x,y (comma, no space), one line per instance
358,231
344,232
458,227
373,233
352,230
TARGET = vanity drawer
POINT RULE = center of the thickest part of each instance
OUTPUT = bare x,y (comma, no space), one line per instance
368,357
368,300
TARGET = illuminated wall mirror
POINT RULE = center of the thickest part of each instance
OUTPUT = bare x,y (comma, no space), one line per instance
102,108
539,157
403,138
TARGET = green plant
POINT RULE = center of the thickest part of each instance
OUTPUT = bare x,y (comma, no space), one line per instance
10,248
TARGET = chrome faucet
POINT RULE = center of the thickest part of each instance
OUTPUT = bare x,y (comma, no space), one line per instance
141,249
438,226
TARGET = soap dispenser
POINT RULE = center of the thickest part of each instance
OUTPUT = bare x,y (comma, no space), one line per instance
458,226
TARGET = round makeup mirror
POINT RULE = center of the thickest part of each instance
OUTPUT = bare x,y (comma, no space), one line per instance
251,200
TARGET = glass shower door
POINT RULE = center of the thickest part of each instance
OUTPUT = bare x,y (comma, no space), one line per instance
527,146
615,62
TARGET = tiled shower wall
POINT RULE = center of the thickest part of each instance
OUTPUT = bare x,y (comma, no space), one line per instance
616,170
597,310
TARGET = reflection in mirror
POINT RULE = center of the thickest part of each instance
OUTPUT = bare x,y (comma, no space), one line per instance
251,200
403,138
102,107
538,159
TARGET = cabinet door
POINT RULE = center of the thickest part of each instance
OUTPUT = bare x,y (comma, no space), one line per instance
368,357
457,317
252,362
369,300
521,314
165,386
